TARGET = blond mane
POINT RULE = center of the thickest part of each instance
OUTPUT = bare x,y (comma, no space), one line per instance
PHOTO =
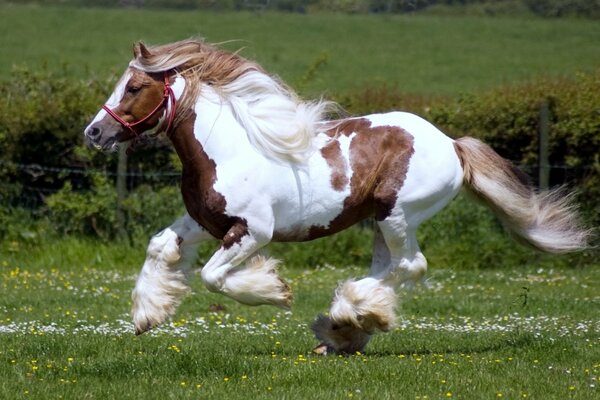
277,122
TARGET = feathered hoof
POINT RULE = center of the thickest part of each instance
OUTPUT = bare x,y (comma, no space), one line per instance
323,349
143,327
148,312
338,338
259,283
286,297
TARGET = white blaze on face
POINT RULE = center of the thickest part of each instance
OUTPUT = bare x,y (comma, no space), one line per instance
115,98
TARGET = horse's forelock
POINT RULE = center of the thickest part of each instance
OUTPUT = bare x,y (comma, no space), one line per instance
196,61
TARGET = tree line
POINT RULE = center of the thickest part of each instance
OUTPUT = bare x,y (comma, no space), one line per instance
544,8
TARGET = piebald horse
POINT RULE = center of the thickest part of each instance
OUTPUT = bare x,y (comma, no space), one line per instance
262,165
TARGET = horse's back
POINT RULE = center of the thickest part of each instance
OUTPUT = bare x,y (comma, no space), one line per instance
378,165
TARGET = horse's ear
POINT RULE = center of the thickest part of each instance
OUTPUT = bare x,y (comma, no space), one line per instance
144,51
136,50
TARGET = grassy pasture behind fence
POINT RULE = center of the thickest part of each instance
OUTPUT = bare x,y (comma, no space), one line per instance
418,54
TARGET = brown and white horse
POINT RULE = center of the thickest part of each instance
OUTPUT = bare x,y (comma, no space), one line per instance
261,165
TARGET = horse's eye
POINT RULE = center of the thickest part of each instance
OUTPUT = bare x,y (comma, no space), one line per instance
133,89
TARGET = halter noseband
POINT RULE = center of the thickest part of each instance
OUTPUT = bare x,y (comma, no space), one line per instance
167,95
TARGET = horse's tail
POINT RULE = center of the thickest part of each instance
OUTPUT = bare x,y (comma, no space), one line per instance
546,220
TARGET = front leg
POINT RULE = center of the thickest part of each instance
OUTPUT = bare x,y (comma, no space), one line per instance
162,280
255,283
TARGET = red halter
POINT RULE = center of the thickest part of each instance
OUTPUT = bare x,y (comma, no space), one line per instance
167,95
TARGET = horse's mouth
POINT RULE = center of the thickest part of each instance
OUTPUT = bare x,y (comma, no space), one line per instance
107,145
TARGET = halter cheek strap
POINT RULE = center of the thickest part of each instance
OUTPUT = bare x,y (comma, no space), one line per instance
168,94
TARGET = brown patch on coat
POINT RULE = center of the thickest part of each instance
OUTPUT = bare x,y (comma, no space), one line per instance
332,153
379,159
204,204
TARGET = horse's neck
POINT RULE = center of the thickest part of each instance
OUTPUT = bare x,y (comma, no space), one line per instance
216,127
211,133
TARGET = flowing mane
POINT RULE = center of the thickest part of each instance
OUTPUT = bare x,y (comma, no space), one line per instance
278,122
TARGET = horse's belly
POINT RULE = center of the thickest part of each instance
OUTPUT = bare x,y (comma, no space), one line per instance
299,220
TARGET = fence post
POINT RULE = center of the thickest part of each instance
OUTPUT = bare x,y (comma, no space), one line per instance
121,191
544,134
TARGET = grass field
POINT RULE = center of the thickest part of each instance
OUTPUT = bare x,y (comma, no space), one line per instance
529,331
418,54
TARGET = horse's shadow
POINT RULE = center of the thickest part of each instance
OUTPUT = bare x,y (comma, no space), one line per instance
512,342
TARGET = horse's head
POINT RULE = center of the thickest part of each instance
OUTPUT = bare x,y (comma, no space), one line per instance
141,102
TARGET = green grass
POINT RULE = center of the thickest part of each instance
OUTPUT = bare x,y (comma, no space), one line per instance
530,331
418,53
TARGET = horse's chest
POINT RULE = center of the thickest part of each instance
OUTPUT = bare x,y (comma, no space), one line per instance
205,205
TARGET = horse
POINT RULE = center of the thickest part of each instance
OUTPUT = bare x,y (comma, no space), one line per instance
261,165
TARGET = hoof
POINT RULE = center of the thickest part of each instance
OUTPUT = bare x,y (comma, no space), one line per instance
322,349
139,331
287,297
143,325
338,338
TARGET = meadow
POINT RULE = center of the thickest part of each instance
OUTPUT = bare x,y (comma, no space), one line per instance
419,54
492,319
523,332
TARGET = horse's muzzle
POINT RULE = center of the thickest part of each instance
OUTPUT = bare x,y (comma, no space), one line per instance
94,138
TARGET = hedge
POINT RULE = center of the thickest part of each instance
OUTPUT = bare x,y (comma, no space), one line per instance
508,119
42,116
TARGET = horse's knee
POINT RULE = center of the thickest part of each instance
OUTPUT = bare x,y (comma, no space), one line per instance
165,246
212,279
406,269
419,266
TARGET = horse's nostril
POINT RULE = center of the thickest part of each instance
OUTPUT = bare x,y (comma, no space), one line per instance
92,132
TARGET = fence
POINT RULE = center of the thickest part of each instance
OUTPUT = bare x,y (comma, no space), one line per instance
33,196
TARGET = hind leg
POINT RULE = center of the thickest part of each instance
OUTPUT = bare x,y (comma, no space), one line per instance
407,262
359,308
362,307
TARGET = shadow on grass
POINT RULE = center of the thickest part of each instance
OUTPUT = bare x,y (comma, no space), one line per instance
463,344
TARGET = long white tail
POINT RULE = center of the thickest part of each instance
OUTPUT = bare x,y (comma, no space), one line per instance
547,220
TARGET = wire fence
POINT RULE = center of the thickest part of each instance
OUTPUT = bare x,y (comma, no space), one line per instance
40,181
31,192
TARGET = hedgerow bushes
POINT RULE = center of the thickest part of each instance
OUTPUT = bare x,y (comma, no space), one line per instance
508,119
544,8
46,167
42,116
